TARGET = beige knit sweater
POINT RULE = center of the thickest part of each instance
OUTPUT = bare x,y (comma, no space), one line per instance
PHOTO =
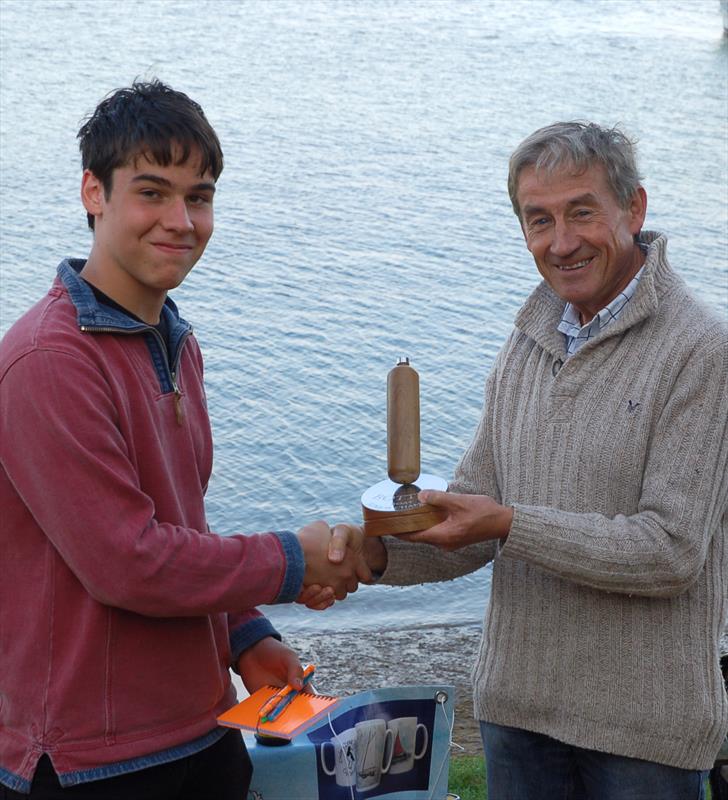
610,593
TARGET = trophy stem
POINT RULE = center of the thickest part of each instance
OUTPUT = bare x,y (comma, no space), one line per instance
403,423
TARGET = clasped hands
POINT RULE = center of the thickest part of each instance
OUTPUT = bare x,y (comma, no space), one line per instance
339,558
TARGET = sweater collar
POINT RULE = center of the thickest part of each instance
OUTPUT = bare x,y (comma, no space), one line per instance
540,314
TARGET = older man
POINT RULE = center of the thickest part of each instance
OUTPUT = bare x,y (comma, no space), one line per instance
596,482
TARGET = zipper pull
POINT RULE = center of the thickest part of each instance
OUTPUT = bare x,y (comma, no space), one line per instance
178,410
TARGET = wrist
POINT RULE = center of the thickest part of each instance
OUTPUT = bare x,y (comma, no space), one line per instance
375,554
505,522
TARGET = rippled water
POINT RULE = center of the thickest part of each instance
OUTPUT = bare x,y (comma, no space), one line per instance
362,213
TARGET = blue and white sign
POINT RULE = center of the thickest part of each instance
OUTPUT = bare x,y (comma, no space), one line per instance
391,743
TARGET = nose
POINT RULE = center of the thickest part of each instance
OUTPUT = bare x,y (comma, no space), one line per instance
176,216
564,240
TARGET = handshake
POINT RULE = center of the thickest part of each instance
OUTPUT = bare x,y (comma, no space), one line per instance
337,560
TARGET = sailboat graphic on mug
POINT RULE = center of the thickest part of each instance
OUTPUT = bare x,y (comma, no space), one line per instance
404,754
373,752
344,750
398,753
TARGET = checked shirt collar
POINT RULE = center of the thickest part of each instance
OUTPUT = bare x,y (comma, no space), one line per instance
578,335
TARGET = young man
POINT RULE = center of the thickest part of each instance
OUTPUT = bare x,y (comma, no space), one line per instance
596,482
120,612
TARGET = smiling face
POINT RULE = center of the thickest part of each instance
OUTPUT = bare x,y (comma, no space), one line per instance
581,239
149,231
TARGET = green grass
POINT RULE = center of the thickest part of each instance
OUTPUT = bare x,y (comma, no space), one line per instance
467,778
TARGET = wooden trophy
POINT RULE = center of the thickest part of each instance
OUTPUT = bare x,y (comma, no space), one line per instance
391,506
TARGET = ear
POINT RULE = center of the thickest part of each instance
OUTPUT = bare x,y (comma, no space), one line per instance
637,210
92,193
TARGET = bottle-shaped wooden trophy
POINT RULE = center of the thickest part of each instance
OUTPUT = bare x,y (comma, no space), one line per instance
391,506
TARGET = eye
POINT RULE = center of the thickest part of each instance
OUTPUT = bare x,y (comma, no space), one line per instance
149,194
583,213
199,199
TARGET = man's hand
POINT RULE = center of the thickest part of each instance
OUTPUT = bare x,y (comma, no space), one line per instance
269,663
470,518
317,598
369,548
343,572
344,536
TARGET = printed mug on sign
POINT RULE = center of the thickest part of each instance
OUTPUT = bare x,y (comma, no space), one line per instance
404,743
373,752
344,747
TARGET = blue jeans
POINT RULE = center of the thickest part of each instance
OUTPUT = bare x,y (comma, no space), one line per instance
521,765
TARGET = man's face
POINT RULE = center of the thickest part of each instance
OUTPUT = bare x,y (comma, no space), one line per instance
581,239
151,229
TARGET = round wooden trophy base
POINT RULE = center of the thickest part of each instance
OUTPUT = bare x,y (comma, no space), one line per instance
401,522
392,508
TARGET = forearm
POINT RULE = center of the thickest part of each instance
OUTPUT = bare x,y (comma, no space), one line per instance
413,563
639,555
84,484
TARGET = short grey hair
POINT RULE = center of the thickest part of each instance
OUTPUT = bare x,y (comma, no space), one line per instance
578,145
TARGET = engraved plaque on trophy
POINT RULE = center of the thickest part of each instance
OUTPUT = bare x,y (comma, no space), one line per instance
391,506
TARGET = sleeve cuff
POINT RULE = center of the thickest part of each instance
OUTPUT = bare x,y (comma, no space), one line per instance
527,530
292,582
248,634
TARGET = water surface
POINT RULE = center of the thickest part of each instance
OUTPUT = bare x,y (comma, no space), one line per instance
362,214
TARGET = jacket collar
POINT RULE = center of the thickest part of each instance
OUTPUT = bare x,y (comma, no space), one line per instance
95,316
